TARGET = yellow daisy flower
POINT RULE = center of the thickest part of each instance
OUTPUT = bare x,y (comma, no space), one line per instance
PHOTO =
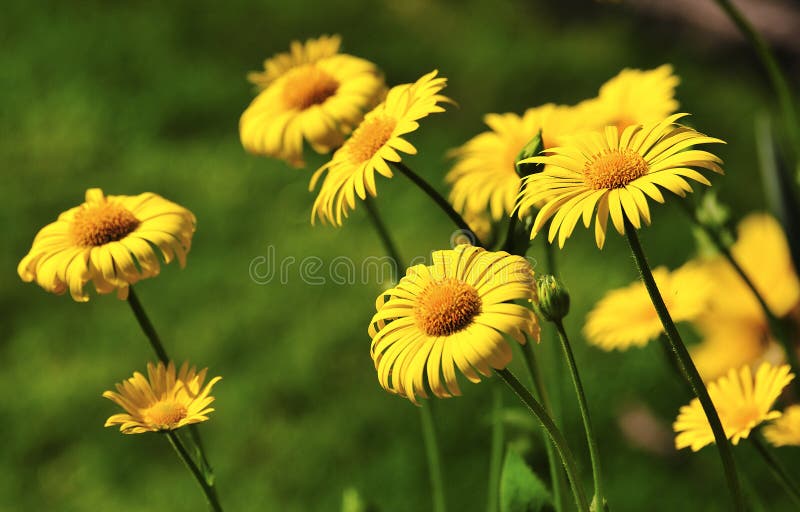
109,240
763,253
377,141
626,317
742,402
163,400
734,327
785,431
616,173
451,314
485,175
312,93
636,97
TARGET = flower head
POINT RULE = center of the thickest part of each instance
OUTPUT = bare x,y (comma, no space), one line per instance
763,253
785,431
451,314
626,318
485,176
734,327
615,174
312,93
163,400
375,142
109,240
742,401
636,97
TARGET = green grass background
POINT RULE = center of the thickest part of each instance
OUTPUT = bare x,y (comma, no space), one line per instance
145,96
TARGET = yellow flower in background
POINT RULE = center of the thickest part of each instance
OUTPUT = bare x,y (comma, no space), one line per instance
375,142
742,401
109,240
763,253
636,97
733,344
785,431
626,317
312,93
485,176
615,174
451,314
163,400
299,54
734,327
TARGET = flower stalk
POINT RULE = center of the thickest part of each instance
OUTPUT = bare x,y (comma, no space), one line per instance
583,406
688,368
556,473
208,490
776,468
538,411
440,201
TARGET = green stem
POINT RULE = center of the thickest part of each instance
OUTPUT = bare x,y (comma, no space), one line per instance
155,342
432,452
776,325
591,438
556,473
437,198
382,230
555,435
776,468
776,76
429,437
496,456
147,326
208,490
688,368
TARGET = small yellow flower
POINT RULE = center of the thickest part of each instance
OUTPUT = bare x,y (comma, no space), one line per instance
785,431
376,141
109,240
485,176
312,93
451,314
163,400
636,97
614,173
742,402
626,317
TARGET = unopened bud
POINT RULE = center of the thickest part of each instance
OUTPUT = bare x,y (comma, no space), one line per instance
531,149
553,298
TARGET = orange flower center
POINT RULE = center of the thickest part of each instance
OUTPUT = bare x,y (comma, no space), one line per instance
368,138
614,168
102,223
446,307
307,86
165,414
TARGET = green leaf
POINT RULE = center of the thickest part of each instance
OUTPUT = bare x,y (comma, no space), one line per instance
520,489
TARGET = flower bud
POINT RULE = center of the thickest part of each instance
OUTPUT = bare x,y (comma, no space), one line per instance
531,149
553,298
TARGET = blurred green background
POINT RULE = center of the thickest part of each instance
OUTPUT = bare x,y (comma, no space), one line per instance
145,96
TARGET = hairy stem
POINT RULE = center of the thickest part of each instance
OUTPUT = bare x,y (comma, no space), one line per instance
688,368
